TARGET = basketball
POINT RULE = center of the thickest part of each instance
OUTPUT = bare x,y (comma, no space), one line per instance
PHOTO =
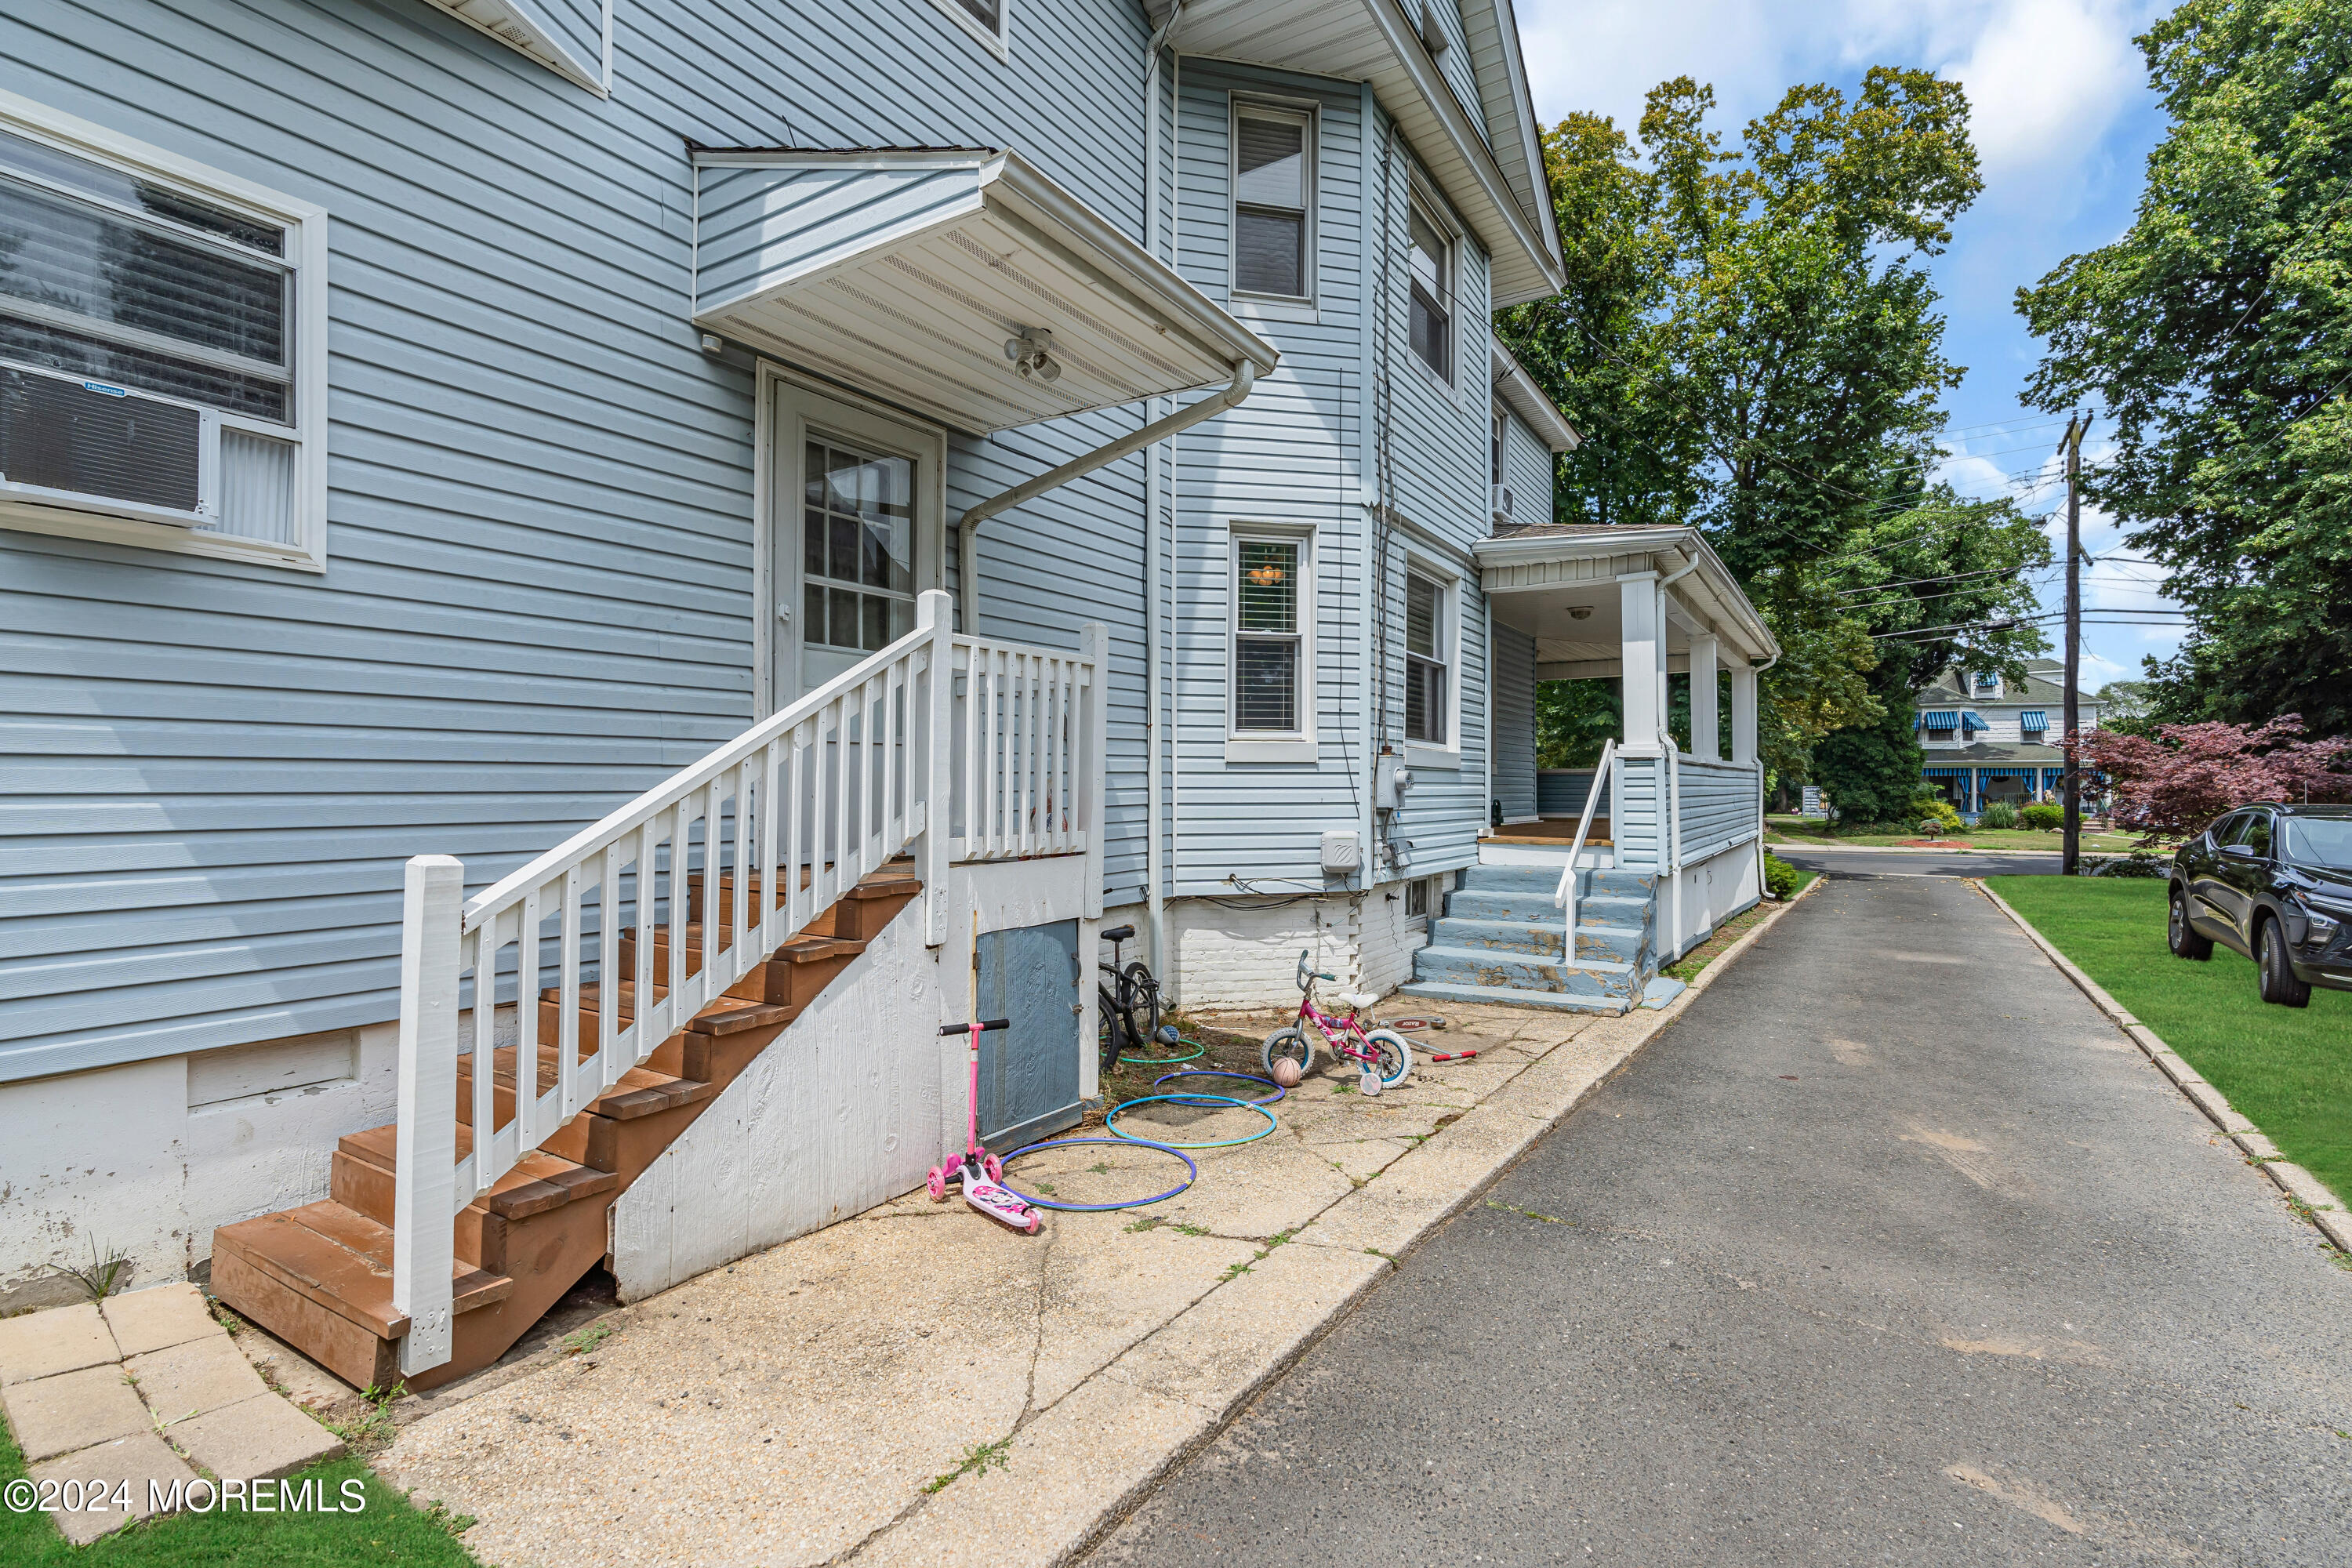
1286,1072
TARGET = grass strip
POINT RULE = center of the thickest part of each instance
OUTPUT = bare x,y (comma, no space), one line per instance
390,1529
2287,1069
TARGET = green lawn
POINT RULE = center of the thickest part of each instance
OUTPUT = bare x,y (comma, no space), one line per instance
2288,1070
390,1529
1793,830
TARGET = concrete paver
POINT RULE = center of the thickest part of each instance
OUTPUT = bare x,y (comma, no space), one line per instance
157,1319
117,1475
254,1439
193,1378
63,1339
73,1410
1873,1257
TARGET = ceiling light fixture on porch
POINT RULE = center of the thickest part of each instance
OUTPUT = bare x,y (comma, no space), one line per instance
1580,612
1031,354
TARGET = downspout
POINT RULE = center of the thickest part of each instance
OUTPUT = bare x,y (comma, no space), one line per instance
968,557
1154,865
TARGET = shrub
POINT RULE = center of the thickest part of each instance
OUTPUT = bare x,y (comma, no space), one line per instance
2172,786
1999,814
2043,816
1779,877
2138,863
1939,816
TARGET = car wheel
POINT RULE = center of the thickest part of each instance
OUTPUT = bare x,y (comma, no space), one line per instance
2186,942
2279,984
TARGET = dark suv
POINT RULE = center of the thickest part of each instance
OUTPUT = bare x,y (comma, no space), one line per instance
2275,883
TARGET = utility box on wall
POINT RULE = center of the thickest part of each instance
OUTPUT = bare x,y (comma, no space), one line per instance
1029,1073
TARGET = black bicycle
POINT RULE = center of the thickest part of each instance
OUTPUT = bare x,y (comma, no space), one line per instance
1129,1003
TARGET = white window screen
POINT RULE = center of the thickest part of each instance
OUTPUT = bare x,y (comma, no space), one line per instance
1425,718
1266,636
1270,196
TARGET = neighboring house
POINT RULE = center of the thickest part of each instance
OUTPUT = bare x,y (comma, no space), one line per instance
1988,739
1027,466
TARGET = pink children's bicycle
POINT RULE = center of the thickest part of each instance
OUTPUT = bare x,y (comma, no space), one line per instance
1382,1054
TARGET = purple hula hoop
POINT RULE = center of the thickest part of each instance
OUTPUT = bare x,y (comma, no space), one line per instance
1192,1174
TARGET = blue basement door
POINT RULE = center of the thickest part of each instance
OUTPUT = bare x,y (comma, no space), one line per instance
1029,1073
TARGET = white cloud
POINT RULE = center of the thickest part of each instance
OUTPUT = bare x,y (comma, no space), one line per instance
2044,80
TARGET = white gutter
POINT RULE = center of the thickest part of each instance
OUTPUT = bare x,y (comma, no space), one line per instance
967,553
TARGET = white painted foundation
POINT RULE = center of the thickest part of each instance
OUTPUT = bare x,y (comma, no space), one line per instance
1242,955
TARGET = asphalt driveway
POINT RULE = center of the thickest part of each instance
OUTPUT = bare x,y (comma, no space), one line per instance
1890,1250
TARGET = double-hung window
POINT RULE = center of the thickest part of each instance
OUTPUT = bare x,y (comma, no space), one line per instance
983,19
1427,674
1272,186
161,341
1267,638
1430,258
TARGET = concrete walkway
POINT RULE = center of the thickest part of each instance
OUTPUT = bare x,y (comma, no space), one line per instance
1892,1249
919,1386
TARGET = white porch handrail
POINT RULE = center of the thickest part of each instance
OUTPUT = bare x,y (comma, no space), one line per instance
1566,897
814,797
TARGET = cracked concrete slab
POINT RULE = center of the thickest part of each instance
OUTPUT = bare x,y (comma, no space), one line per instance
917,1384
63,1339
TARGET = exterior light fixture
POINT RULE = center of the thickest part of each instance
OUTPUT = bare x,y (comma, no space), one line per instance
1580,612
1032,355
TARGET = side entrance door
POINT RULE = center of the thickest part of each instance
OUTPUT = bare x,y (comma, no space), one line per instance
854,533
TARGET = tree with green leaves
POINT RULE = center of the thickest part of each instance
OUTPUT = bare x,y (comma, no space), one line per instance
2217,336
1749,342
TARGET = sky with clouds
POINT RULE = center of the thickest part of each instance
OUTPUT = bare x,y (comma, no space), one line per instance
2064,121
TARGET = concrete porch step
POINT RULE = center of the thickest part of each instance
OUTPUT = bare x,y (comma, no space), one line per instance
1521,971
1608,943
1537,909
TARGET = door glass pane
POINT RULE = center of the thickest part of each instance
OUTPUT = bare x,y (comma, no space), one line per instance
859,543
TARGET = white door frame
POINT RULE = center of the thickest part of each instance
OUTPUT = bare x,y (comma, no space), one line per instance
861,421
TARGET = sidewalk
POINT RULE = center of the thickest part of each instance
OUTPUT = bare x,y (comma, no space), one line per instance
917,1384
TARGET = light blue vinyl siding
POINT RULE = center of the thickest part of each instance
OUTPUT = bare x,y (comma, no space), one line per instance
1513,717
1527,470
578,29
538,597
1717,806
1634,827
760,227
1455,63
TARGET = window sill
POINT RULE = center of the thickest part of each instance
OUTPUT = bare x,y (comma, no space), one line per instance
1289,750
1274,307
1420,756
127,527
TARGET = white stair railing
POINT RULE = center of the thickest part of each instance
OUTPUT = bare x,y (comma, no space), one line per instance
1566,897
814,797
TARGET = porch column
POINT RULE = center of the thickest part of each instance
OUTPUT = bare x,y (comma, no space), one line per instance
1641,656
1743,713
1704,727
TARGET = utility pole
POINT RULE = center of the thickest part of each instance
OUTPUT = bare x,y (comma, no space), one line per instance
2072,855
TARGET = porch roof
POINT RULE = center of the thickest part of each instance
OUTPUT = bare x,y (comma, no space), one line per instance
906,272
1556,582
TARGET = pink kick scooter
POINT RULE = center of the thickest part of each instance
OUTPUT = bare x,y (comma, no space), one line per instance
979,1171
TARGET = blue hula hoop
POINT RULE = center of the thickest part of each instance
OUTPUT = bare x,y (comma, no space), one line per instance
1275,1098
1192,1174
1110,1123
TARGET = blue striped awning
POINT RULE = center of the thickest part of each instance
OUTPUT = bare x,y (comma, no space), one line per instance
1943,720
2033,719
1947,773
1972,720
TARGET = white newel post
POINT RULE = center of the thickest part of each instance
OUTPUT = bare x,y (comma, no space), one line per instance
1705,726
1094,641
935,613
1743,713
424,1227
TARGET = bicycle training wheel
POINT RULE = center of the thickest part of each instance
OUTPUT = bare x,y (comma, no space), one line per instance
1394,1056
1291,1042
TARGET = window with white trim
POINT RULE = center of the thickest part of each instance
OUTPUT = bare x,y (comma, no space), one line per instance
1268,676
1430,264
985,20
1428,669
162,339
1274,185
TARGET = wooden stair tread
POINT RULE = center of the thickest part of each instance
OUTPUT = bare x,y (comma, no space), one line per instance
343,1261
538,1182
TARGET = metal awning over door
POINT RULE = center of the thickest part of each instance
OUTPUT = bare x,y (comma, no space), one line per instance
961,284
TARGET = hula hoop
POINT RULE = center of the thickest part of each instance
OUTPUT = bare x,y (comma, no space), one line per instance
1245,1077
1192,1174
1193,1056
1110,1123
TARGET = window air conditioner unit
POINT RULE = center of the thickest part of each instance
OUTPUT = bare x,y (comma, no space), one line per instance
1502,501
66,439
